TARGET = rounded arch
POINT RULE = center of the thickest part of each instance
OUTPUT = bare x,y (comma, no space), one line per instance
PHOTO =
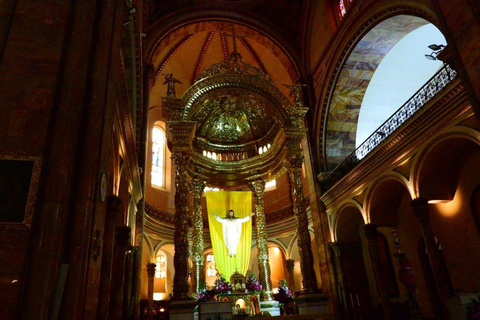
186,23
436,173
348,219
384,198
348,40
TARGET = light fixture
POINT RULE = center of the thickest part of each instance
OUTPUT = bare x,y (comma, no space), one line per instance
432,56
436,50
436,47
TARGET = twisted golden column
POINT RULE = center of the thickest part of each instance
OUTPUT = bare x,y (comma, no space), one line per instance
180,237
258,188
294,167
197,247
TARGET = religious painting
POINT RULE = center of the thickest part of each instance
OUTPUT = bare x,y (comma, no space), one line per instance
18,187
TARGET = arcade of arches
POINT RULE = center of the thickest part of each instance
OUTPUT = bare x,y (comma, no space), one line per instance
117,116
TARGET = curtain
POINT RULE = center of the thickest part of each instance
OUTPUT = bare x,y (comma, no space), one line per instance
219,203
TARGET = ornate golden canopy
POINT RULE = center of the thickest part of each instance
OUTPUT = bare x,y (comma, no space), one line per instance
234,123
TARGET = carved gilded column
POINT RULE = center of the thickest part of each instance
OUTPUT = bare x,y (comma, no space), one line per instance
290,264
197,221
294,166
180,237
421,211
380,272
151,277
258,188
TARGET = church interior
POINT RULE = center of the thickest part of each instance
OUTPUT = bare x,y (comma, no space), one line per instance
344,135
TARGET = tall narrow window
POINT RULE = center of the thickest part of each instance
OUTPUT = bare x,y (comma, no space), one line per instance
160,269
211,267
341,6
158,157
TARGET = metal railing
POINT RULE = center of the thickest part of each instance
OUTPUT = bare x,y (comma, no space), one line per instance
433,86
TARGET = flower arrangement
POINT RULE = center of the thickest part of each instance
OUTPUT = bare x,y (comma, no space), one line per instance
473,313
284,295
407,276
252,283
221,284
204,295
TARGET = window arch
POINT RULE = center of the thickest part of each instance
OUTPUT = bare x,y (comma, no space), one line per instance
158,157
211,267
161,267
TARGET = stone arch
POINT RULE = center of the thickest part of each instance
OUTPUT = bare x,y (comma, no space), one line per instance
343,49
436,174
384,198
348,219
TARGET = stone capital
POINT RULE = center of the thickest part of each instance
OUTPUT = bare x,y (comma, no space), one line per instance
290,264
420,209
151,269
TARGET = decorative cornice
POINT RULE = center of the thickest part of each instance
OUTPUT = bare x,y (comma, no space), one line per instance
126,130
159,215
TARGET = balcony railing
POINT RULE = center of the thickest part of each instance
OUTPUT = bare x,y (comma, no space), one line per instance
433,86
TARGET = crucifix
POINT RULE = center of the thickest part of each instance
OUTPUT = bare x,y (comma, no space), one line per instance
234,36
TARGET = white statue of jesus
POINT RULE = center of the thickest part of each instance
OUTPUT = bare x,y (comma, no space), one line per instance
232,230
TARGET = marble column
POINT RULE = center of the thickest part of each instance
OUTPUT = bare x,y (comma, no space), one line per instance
151,277
113,209
180,237
294,167
290,264
380,272
421,211
258,188
122,241
197,221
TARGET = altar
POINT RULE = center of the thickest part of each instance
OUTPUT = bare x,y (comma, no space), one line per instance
241,303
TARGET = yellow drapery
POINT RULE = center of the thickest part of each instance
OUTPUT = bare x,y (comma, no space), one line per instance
219,203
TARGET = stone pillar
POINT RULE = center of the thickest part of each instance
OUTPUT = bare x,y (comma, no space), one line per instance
151,277
127,288
380,272
290,264
180,238
122,240
420,209
113,209
337,254
197,221
71,160
258,188
294,166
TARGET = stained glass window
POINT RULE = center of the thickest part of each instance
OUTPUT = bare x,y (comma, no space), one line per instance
158,157
211,267
160,270
342,8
